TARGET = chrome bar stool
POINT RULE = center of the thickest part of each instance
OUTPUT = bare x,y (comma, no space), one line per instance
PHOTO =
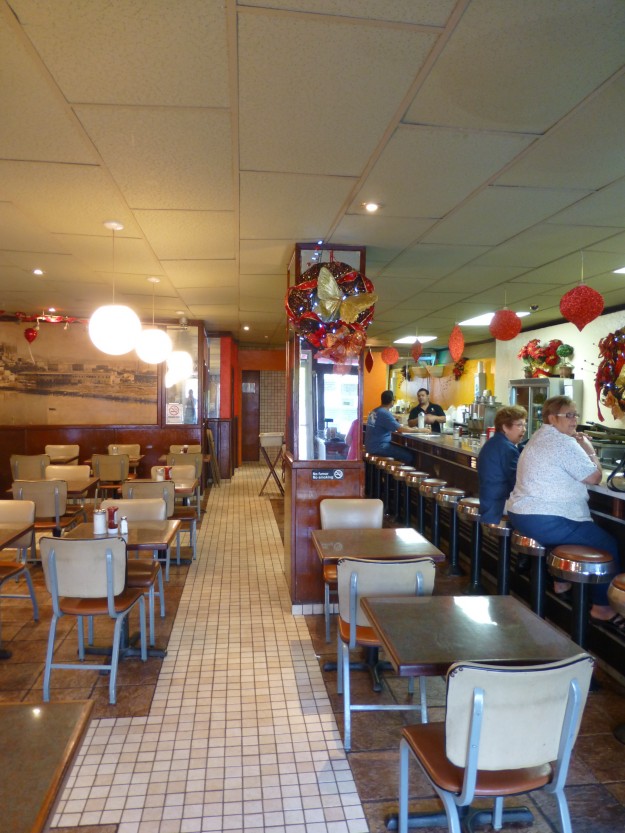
398,472
369,473
385,467
412,481
502,531
447,498
468,509
428,489
377,460
522,545
582,566
616,597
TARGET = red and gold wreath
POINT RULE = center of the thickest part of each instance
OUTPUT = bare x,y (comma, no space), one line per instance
610,376
331,308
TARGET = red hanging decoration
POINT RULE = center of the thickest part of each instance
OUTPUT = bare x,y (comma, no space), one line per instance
505,325
456,343
390,355
30,334
416,350
369,361
581,305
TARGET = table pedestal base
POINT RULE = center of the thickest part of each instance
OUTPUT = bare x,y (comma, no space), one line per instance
371,663
127,648
5,654
469,818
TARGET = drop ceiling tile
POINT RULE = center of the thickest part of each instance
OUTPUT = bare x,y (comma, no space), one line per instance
603,208
213,296
521,66
425,171
312,88
271,285
196,235
392,234
429,261
160,54
391,288
201,273
424,12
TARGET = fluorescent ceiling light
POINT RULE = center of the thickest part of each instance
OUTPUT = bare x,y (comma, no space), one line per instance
620,271
412,339
371,207
484,320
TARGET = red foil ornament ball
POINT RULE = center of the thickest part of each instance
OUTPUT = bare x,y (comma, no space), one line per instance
390,355
456,343
416,350
581,305
505,325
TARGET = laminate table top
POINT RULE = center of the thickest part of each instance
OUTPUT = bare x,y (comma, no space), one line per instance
142,535
424,635
334,544
11,532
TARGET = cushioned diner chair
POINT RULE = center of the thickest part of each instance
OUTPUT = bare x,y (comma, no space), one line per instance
68,450
345,513
507,730
112,470
69,473
196,460
20,513
142,569
88,578
365,577
29,466
194,448
184,474
52,514
165,490
131,449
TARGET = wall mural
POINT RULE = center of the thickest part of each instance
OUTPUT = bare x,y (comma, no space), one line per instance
55,376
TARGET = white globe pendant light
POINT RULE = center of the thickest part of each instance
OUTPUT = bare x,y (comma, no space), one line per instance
114,328
153,345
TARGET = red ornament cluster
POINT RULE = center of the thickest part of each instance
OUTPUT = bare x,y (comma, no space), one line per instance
541,359
459,367
581,305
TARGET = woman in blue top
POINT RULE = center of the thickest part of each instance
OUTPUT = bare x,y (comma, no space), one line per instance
497,462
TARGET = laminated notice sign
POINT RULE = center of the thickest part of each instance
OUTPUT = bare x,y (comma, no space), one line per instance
328,474
175,413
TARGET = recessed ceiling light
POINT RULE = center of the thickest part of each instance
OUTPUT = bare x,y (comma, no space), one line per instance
320,242
52,309
412,339
485,319
245,327
620,271
38,272
371,207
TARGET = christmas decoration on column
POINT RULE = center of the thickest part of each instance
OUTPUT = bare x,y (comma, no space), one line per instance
610,376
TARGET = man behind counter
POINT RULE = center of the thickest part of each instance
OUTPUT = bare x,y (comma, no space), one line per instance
434,414
381,424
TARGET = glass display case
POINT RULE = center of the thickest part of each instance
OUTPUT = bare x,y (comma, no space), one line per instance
532,393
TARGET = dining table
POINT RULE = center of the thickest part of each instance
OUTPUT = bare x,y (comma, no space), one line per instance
9,534
142,536
375,544
62,459
425,635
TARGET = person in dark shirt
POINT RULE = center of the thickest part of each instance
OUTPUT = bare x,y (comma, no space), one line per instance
434,414
380,425
497,462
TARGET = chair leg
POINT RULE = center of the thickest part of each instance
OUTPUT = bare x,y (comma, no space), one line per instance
117,635
49,653
563,808
404,761
144,644
81,638
193,534
31,590
326,608
339,666
498,813
347,709
178,547
161,591
150,595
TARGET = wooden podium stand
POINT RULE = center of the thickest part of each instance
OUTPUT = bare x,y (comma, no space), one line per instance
309,479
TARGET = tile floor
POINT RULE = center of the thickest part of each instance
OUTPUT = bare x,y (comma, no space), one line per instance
241,734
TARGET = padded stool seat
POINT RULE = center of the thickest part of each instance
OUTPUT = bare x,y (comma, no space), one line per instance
582,566
468,509
447,498
616,597
522,545
428,489
502,531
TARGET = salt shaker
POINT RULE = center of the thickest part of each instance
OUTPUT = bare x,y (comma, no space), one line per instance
123,527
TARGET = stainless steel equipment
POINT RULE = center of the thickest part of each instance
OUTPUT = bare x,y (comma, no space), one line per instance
481,415
532,393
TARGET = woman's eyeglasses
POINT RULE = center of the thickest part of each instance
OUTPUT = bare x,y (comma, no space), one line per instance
569,415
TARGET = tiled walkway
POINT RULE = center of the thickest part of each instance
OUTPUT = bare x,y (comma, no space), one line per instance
241,735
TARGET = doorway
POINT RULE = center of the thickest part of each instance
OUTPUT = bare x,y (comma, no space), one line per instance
250,415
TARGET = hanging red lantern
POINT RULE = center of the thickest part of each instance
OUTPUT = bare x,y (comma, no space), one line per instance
456,343
30,334
505,325
581,305
416,350
390,355
369,361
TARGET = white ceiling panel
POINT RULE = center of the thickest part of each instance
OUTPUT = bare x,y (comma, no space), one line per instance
198,273
196,235
383,231
605,207
425,12
428,261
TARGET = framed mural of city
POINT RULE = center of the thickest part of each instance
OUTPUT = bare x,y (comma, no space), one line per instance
59,378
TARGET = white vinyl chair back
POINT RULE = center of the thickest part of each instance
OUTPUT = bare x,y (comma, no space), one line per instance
111,468
351,513
522,712
194,448
183,474
138,509
131,449
163,489
364,577
49,496
68,450
187,460
77,568
67,472
29,466
19,512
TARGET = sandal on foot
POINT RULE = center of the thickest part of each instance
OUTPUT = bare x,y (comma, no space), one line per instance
616,624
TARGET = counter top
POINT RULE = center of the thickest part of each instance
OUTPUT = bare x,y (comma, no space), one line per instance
463,445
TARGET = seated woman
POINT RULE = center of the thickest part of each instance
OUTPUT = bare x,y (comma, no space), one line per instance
550,500
497,462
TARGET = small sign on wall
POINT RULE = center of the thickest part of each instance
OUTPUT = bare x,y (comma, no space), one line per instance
248,387
175,413
328,474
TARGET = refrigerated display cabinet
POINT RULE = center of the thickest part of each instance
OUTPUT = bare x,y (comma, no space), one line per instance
532,393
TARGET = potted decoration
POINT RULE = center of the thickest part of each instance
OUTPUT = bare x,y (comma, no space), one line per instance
565,368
